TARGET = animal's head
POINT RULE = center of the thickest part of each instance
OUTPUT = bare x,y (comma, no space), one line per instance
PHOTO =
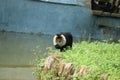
59,40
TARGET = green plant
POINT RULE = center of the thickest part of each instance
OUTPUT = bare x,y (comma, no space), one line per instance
100,57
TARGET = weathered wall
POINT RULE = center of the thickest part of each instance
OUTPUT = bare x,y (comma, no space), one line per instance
48,18
109,30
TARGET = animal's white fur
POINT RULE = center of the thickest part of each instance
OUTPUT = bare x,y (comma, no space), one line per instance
64,39
55,40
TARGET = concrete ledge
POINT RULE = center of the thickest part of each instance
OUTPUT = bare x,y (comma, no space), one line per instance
108,14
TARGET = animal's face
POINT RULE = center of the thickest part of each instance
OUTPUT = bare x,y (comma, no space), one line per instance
59,40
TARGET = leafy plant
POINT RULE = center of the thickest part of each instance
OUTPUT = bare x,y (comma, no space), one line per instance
102,58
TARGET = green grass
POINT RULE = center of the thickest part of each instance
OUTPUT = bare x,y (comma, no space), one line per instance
100,57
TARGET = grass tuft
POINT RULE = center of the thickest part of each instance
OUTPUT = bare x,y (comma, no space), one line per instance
100,57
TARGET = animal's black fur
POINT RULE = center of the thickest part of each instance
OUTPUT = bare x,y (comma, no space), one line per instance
69,40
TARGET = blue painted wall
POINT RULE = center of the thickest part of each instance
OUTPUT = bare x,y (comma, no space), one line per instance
49,18
110,31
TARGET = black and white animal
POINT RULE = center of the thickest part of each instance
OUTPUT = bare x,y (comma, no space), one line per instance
63,40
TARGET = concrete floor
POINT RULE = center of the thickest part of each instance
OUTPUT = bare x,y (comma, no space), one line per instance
16,54
16,74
